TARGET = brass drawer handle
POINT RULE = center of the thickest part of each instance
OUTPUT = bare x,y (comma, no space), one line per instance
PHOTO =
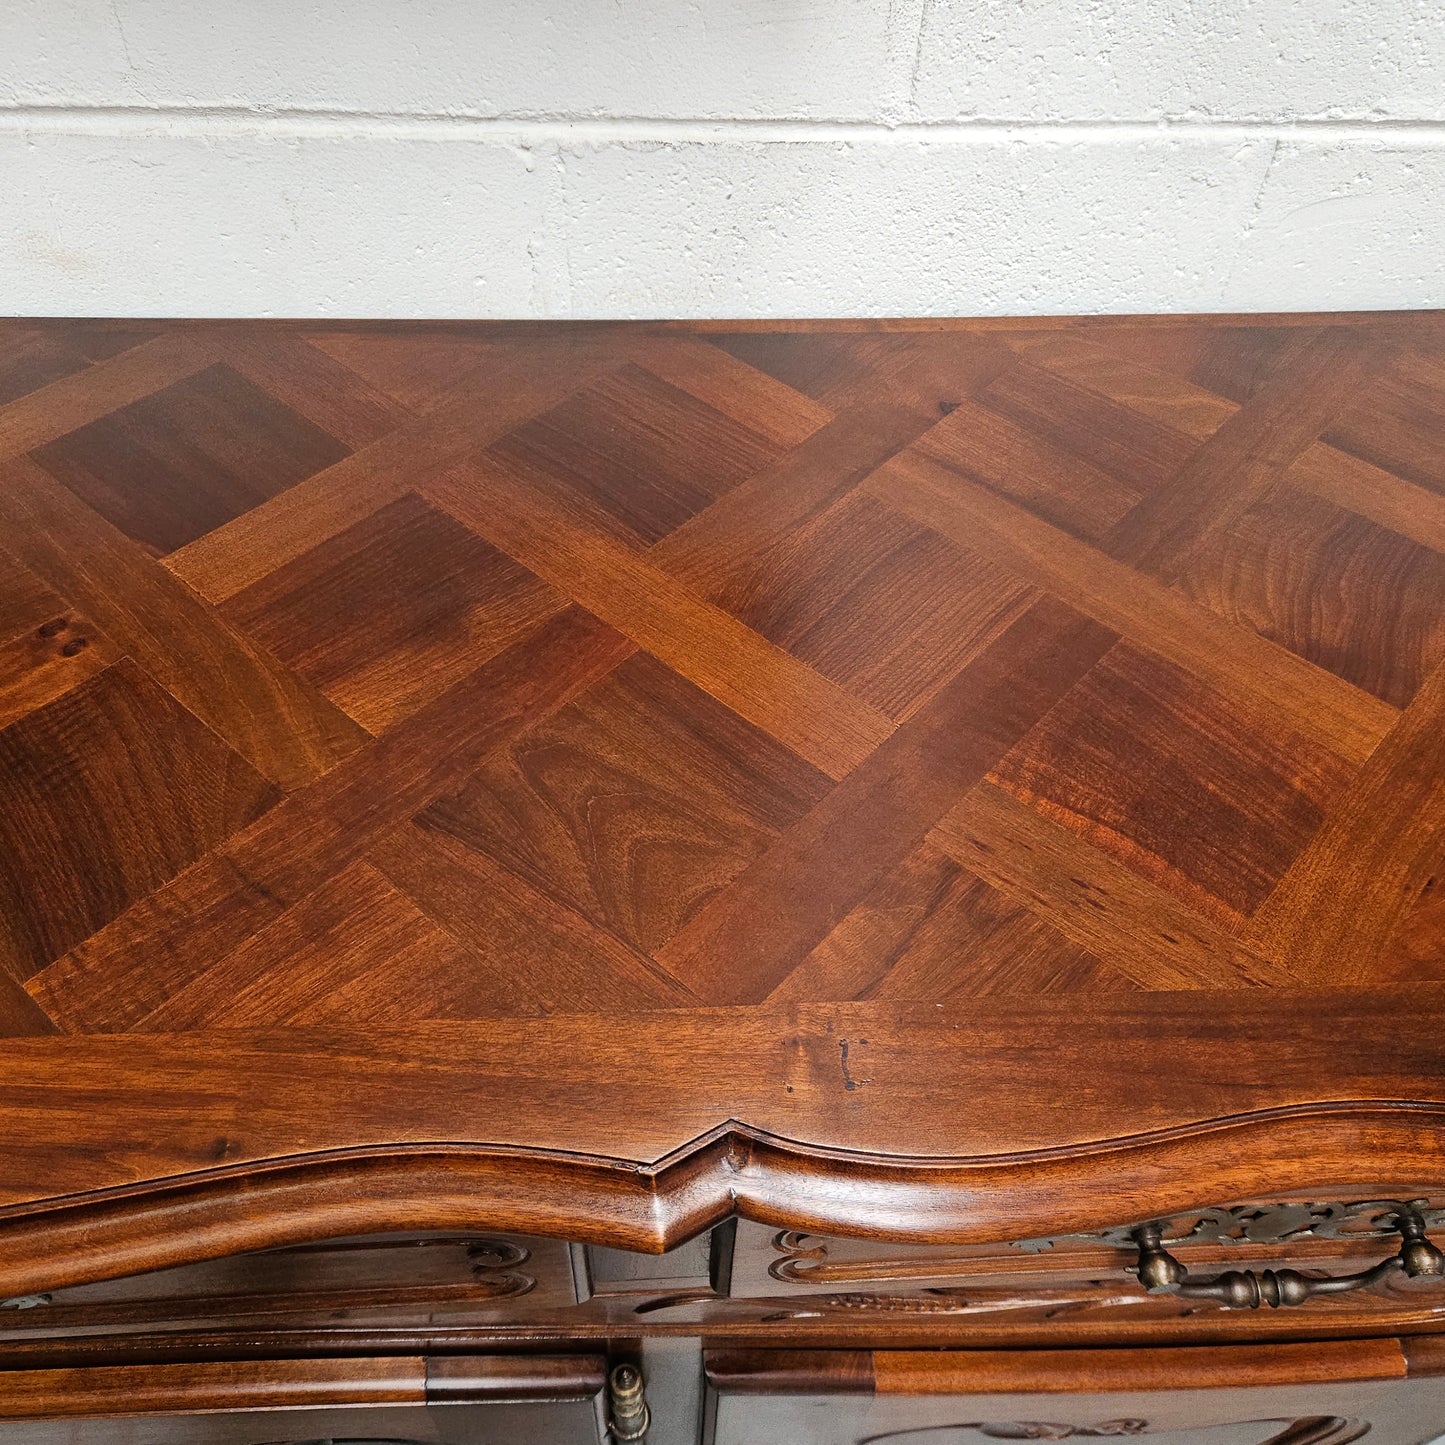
1246,1289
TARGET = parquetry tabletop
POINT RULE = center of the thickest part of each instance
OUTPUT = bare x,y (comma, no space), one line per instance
621,773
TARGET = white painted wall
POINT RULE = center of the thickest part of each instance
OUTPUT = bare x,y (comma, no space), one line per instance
719,157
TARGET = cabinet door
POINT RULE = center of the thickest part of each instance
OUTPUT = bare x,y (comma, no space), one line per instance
1323,1394
477,1400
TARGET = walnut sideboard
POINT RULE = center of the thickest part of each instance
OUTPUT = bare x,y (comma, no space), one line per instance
751,884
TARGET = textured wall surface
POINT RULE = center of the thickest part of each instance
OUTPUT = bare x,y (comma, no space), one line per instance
720,157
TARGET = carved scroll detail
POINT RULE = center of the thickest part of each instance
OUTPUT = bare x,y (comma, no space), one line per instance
803,1258
494,1265
1259,1224
1312,1430
1040,1304
1051,1430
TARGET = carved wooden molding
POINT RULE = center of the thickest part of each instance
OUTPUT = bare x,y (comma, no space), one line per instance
1018,1430
1345,1146
1259,1224
1050,1302
495,1265
1021,1430
1313,1430
1092,1300
803,1258
206,1386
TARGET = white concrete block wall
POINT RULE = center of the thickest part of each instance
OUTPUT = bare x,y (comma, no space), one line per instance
719,157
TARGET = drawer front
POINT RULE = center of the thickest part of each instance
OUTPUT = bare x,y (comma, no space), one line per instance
480,1400
1283,1395
517,1423
1296,1256
377,1280
372,1293
1330,1236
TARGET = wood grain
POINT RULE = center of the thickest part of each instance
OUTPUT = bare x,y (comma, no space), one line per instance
179,463
269,715
1090,1371
612,776
1304,697
1050,1372
746,939
116,748
228,1385
951,1131
75,400
1094,900
451,603
1238,463
1381,848
820,721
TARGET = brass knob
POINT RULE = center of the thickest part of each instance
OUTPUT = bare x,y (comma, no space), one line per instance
629,1416
1417,1255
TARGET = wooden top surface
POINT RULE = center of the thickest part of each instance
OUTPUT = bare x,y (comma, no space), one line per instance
477,735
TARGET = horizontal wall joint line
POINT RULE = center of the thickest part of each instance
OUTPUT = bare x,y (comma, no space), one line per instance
541,128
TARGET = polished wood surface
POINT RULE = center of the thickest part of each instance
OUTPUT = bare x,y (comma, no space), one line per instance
268,1384
1054,1372
295,1384
1262,1396
482,1400
592,779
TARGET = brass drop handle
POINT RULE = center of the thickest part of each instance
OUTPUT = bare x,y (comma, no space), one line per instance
1245,1289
